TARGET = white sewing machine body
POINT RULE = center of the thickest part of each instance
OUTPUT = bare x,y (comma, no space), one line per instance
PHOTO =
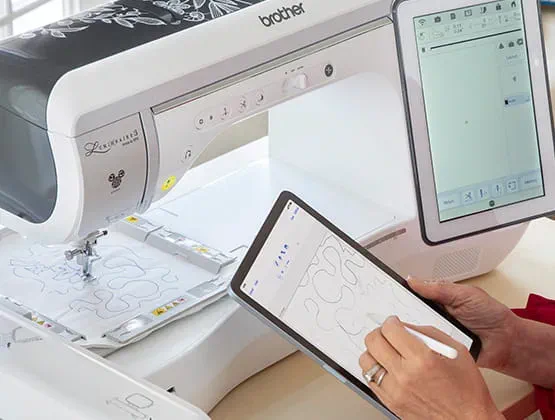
130,126
124,129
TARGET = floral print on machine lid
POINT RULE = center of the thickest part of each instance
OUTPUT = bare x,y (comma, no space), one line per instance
127,16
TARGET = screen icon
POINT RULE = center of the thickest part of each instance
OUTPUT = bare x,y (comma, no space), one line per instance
483,193
437,19
422,22
453,16
511,44
468,12
498,7
497,189
483,10
512,185
468,197
501,46
520,41
513,4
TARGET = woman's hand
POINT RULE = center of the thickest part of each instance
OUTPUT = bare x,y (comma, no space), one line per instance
492,321
421,384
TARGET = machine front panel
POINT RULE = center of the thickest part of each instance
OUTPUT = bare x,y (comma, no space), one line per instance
114,165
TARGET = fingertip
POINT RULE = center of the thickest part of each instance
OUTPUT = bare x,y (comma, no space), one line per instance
417,286
365,361
361,360
371,337
411,280
427,288
415,281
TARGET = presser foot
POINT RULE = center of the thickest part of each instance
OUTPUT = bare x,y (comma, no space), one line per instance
85,254
88,277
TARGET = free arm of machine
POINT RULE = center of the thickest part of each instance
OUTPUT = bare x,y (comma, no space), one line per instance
99,137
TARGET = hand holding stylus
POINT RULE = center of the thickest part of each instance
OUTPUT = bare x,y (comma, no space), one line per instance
406,369
434,345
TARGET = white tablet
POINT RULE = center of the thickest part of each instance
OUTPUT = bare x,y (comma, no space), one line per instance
479,115
324,292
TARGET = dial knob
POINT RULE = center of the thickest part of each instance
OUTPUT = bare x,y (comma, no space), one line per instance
300,81
297,82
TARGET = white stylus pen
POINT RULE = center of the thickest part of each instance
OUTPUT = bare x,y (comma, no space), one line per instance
435,345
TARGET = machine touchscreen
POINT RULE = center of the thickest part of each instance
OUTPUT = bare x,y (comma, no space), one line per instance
324,292
479,114
477,89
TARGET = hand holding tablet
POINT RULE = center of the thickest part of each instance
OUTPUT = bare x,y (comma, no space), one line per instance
325,293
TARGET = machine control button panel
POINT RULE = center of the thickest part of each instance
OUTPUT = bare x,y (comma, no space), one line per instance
200,122
225,112
242,105
287,86
206,120
260,98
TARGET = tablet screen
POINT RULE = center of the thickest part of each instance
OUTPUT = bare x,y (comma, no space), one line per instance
327,292
480,116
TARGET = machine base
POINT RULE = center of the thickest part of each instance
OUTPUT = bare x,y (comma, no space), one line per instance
202,358
402,248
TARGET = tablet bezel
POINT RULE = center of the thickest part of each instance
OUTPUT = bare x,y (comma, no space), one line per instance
283,329
436,232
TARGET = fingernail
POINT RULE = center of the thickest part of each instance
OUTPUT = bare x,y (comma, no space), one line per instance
392,319
438,282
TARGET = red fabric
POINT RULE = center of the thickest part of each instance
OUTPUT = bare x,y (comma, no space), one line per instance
542,310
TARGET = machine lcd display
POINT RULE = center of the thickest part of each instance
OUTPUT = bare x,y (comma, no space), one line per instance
313,283
480,117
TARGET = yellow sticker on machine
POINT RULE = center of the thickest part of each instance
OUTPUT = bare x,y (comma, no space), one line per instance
169,183
159,311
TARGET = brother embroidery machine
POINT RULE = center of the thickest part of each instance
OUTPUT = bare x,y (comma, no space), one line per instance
425,133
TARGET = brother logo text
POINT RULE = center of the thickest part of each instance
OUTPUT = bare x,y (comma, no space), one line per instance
282,15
